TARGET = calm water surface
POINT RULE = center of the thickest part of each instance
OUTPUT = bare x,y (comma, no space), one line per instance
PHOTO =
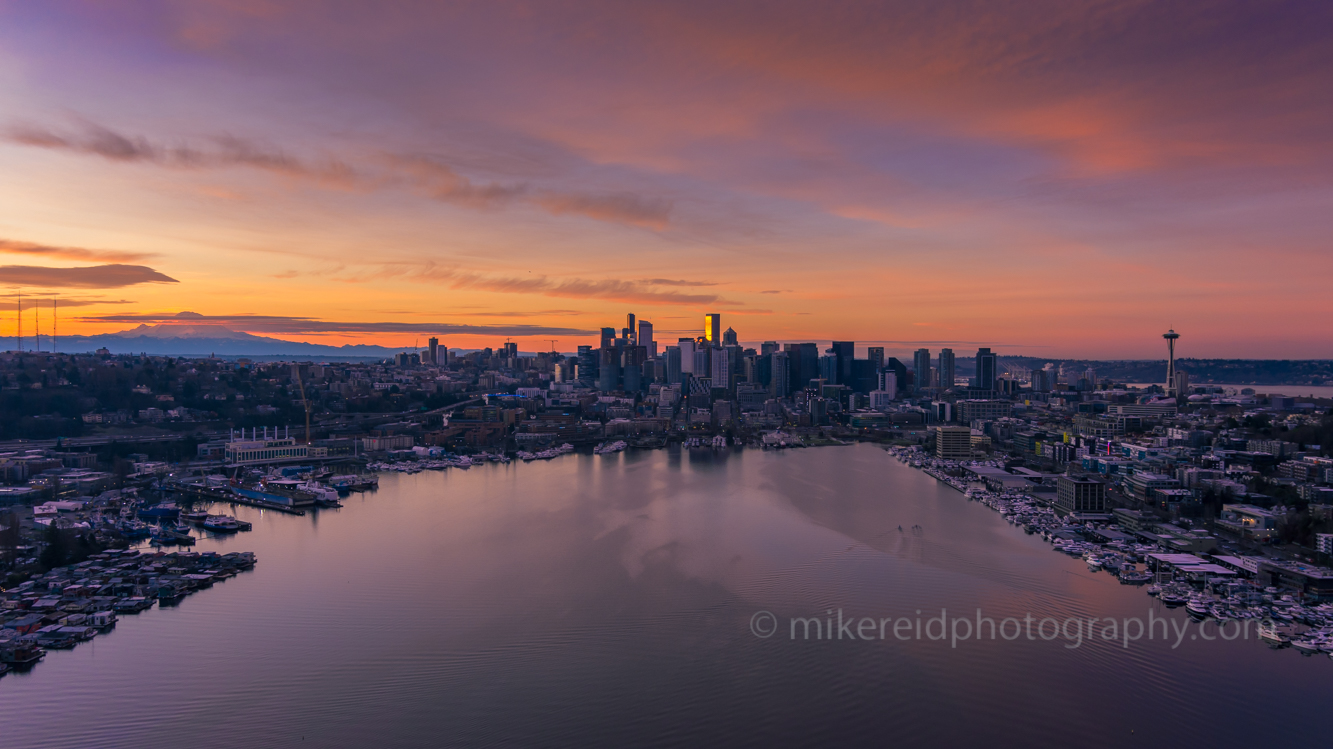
607,601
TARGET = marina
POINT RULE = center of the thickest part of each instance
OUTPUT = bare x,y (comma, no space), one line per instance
1207,591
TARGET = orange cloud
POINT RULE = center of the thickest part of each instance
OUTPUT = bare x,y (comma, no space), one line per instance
15,247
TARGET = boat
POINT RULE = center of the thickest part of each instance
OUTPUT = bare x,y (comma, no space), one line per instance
196,517
1197,607
1269,633
165,536
221,524
1307,647
324,496
1172,598
135,529
160,511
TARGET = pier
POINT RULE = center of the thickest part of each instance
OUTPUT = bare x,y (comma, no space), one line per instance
225,495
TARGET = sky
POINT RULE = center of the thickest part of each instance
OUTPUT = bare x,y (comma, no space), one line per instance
1045,178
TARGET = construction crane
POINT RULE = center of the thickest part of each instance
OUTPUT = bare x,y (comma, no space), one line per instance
296,370
552,340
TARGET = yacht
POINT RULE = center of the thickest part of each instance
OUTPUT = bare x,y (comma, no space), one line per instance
221,524
1307,646
1173,598
1268,632
1197,607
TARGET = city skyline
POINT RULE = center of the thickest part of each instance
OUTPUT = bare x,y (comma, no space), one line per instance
895,176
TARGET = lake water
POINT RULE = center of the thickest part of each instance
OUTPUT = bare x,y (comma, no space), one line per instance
1296,391
609,601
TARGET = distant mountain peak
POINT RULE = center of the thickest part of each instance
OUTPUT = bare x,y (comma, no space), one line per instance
184,330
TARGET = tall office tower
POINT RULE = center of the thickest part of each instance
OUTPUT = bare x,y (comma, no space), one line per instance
632,359
510,350
986,369
735,362
1090,375
629,326
713,329
768,347
899,371
646,338
804,362
948,371
876,356
1182,382
1171,336
703,362
921,367
779,384
721,367
828,368
687,347
588,358
608,337
888,382
608,370
1041,381
434,346
729,338
845,351
673,365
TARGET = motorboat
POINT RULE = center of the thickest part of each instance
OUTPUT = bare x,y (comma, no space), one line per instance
221,524
160,511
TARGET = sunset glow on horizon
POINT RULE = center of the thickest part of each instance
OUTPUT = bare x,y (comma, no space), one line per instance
1047,179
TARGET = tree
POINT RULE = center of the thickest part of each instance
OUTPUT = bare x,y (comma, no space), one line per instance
57,548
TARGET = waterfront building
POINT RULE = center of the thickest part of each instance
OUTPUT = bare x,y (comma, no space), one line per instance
264,450
953,443
1079,494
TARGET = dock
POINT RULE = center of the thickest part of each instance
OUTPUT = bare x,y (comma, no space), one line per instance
226,495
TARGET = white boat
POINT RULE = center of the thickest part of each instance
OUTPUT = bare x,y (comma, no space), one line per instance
1198,607
1308,647
221,524
1268,632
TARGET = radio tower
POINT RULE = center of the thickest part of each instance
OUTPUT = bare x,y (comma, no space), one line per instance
1171,336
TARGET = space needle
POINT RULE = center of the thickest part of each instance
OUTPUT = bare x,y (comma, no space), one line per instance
1171,336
